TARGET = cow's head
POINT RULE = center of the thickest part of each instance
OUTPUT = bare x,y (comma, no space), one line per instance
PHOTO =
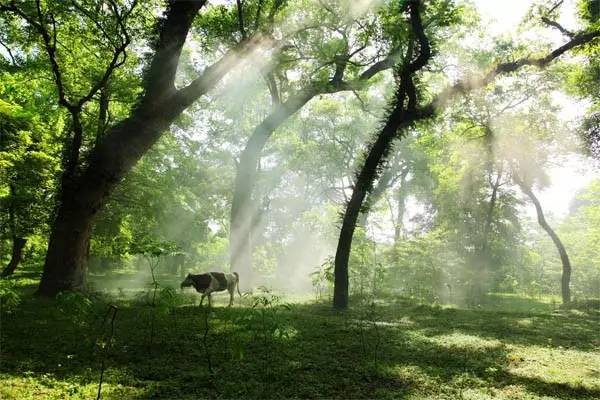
187,282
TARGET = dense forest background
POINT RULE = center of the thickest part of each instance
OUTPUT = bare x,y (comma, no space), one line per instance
408,190
255,173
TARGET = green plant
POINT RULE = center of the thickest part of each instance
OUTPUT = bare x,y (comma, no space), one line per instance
153,252
322,278
76,306
9,297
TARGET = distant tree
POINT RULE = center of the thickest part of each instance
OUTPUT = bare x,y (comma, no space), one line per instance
564,257
405,111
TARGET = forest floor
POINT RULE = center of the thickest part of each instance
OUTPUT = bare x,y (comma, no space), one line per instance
266,348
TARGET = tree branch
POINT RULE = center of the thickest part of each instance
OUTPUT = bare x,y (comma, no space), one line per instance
214,73
467,85
160,76
9,52
558,26
114,62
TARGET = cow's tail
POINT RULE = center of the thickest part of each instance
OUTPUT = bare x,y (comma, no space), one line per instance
237,283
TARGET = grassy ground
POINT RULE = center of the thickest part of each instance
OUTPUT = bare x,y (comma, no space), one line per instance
267,349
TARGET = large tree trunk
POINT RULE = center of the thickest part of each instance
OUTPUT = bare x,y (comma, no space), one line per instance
66,259
242,207
403,113
353,209
18,243
564,257
84,194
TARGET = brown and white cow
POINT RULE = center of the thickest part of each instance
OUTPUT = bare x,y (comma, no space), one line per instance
213,282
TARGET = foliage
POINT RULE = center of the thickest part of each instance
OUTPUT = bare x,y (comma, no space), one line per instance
322,278
9,295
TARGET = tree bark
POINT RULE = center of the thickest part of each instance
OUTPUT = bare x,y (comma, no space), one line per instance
564,257
18,244
403,113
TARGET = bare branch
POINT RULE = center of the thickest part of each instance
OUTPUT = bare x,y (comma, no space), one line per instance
467,85
558,26
9,52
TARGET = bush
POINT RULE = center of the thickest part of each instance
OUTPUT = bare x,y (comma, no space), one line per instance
9,298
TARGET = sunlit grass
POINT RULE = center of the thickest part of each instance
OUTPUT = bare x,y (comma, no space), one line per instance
395,349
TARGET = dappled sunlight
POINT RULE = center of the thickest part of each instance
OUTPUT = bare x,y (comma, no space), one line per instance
464,341
364,172
556,365
411,349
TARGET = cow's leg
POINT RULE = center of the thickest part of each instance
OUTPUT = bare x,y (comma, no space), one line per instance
202,299
230,290
209,300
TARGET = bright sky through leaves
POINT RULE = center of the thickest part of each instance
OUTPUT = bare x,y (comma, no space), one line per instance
573,173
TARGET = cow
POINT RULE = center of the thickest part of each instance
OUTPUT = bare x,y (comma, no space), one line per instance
213,282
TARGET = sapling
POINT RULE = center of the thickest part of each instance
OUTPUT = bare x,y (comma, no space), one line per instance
105,344
207,311
153,252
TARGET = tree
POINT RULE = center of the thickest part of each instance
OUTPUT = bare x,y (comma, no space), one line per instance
27,171
330,64
403,112
404,115
581,234
564,257
85,186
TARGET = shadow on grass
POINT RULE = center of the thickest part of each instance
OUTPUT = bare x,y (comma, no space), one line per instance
326,355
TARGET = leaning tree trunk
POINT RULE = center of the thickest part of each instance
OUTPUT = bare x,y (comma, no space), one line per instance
81,199
564,257
403,113
243,209
366,176
18,244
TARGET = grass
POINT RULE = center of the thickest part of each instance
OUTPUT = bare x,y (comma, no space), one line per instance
393,349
